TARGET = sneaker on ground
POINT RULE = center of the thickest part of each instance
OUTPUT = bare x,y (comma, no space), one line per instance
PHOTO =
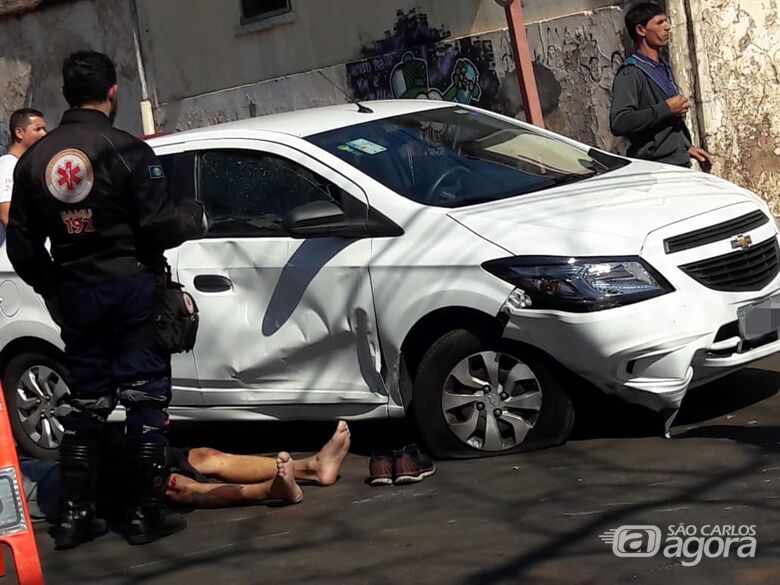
380,468
411,465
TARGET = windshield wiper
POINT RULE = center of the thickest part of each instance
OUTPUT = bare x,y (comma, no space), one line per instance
574,178
474,199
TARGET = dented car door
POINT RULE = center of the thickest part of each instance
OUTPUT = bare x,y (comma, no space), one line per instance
283,321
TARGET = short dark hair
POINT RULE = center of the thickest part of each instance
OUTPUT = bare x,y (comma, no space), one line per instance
86,77
641,14
21,119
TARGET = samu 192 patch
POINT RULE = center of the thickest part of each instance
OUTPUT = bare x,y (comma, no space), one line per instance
156,172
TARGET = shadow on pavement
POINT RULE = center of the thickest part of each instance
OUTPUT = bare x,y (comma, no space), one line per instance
533,518
296,437
598,416
602,416
766,438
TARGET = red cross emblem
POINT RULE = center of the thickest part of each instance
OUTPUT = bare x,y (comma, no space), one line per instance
69,175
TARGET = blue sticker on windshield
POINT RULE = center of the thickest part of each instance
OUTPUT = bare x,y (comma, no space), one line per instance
366,146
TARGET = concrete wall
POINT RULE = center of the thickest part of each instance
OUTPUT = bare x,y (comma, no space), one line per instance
34,44
735,78
17,6
575,59
204,67
200,46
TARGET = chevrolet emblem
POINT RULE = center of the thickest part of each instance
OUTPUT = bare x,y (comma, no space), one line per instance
742,242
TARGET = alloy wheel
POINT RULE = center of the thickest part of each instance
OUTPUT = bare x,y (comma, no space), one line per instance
491,400
40,395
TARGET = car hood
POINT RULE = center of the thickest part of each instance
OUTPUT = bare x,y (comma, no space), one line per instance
611,214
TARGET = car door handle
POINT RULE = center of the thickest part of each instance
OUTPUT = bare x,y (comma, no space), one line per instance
212,283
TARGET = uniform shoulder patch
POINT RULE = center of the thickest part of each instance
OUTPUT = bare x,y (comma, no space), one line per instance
156,172
69,176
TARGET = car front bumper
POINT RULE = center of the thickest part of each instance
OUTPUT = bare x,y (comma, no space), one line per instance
651,352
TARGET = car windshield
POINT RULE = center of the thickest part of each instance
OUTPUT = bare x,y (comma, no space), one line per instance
452,157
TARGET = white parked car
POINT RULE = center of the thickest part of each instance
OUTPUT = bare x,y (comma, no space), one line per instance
440,260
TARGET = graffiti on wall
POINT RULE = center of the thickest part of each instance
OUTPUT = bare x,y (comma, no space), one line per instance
562,46
416,61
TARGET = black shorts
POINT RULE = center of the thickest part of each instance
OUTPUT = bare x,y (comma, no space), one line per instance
177,462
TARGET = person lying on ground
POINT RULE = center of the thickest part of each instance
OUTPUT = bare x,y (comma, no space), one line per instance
207,478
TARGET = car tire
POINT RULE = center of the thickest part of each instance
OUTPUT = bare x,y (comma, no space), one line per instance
29,377
528,399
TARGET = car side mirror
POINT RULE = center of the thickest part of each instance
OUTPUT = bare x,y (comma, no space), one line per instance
321,219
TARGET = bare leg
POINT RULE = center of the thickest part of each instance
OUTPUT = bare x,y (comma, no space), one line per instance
322,468
233,468
188,492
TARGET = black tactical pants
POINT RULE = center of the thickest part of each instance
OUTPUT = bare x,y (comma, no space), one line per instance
112,357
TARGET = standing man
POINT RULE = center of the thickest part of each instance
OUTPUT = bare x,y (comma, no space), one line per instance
27,127
100,196
647,106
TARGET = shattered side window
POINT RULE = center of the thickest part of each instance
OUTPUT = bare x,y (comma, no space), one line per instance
248,193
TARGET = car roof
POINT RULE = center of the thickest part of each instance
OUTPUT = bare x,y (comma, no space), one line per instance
306,122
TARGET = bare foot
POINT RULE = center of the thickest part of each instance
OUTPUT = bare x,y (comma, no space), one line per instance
284,486
326,464
181,489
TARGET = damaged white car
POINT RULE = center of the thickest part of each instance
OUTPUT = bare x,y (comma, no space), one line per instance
439,260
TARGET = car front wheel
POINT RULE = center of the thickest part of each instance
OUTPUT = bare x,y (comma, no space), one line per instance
36,394
476,398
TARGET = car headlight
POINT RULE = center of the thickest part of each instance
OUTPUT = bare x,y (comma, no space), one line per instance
580,284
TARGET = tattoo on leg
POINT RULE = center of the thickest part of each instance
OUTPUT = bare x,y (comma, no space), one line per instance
222,495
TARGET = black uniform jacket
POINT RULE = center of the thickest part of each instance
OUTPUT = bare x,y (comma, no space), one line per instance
100,195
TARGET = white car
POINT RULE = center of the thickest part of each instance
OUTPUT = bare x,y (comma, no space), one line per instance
440,260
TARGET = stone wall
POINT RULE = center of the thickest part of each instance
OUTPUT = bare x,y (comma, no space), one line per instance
34,44
736,82
17,6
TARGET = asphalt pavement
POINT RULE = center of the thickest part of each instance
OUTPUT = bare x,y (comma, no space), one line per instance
529,518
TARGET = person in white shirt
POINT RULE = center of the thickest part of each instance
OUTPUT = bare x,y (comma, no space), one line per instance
27,127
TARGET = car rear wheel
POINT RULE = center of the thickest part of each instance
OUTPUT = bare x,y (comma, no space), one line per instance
476,398
36,394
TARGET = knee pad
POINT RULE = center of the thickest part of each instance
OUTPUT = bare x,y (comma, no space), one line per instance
148,423
155,392
87,417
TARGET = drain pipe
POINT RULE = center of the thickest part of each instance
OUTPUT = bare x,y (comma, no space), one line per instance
147,114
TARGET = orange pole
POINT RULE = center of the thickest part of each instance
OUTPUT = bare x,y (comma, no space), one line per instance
523,62
19,537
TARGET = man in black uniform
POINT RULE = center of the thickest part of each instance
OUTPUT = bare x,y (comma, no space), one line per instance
100,196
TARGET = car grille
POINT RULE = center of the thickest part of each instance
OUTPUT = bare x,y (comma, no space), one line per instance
715,233
746,270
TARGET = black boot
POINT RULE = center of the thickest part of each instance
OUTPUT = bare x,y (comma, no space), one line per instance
147,517
78,523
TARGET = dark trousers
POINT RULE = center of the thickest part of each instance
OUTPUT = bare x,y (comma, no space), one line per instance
112,357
